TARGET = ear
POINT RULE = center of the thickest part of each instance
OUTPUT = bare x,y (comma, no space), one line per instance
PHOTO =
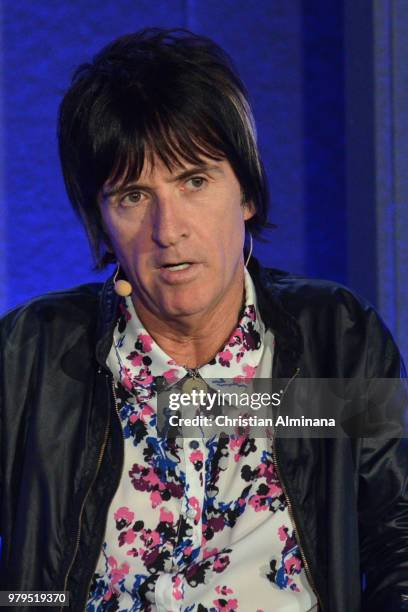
249,210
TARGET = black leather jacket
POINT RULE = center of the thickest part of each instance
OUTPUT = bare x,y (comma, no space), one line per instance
61,441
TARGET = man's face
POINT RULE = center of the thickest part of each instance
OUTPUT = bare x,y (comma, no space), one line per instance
178,236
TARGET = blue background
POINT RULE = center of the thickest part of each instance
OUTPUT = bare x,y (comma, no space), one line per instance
328,81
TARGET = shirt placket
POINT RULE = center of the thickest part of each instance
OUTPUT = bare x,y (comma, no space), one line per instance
170,586
193,502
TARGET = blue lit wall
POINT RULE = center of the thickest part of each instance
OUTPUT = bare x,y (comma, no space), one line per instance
329,90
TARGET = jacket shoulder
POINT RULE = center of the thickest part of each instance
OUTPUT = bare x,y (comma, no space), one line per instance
304,294
331,313
70,308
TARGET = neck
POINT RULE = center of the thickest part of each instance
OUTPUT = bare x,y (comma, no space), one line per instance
193,341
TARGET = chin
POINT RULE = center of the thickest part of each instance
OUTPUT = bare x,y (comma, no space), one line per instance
182,310
186,306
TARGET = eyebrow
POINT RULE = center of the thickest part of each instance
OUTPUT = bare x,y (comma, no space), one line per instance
174,179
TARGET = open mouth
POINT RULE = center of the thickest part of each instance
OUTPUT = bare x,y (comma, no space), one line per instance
179,266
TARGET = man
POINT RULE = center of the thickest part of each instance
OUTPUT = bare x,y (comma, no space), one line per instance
159,157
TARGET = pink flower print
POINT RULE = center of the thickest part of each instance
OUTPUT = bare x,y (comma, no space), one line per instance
236,337
146,412
130,536
225,357
194,503
257,502
221,563
229,606
196,456
123,516
155,538
249,373
153,478
109,593
262,468
261,502
146,342
144,479
268,471
171,375
166,516
144,378
177,587
117,573
126,378
283,533
293,565
155,498
137,359
239,356
143,415
148,380
209,552
236,442
150,538
223,590
275,490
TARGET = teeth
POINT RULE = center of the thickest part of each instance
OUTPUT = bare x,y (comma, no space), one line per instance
182,266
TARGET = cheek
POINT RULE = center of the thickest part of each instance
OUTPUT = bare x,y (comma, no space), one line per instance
226,244
234,227
125,236
226,222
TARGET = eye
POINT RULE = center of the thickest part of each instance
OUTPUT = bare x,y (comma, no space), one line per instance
196,182
131,199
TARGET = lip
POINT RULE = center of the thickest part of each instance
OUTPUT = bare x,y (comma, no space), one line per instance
178,277
176,261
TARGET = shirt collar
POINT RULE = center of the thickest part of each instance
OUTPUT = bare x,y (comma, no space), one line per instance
139,359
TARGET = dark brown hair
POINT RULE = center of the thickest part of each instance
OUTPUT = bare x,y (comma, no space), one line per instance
165,93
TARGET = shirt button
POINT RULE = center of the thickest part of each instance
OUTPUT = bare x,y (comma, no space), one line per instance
191,513
194,444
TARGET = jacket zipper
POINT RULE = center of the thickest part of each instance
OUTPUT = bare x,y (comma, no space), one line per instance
115,399
290,508
98,465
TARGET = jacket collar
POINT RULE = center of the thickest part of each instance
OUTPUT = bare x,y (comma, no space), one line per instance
108,310
288,338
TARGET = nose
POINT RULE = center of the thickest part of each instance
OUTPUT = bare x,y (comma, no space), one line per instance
169,222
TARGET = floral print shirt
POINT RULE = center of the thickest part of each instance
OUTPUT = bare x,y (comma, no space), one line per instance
196,525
